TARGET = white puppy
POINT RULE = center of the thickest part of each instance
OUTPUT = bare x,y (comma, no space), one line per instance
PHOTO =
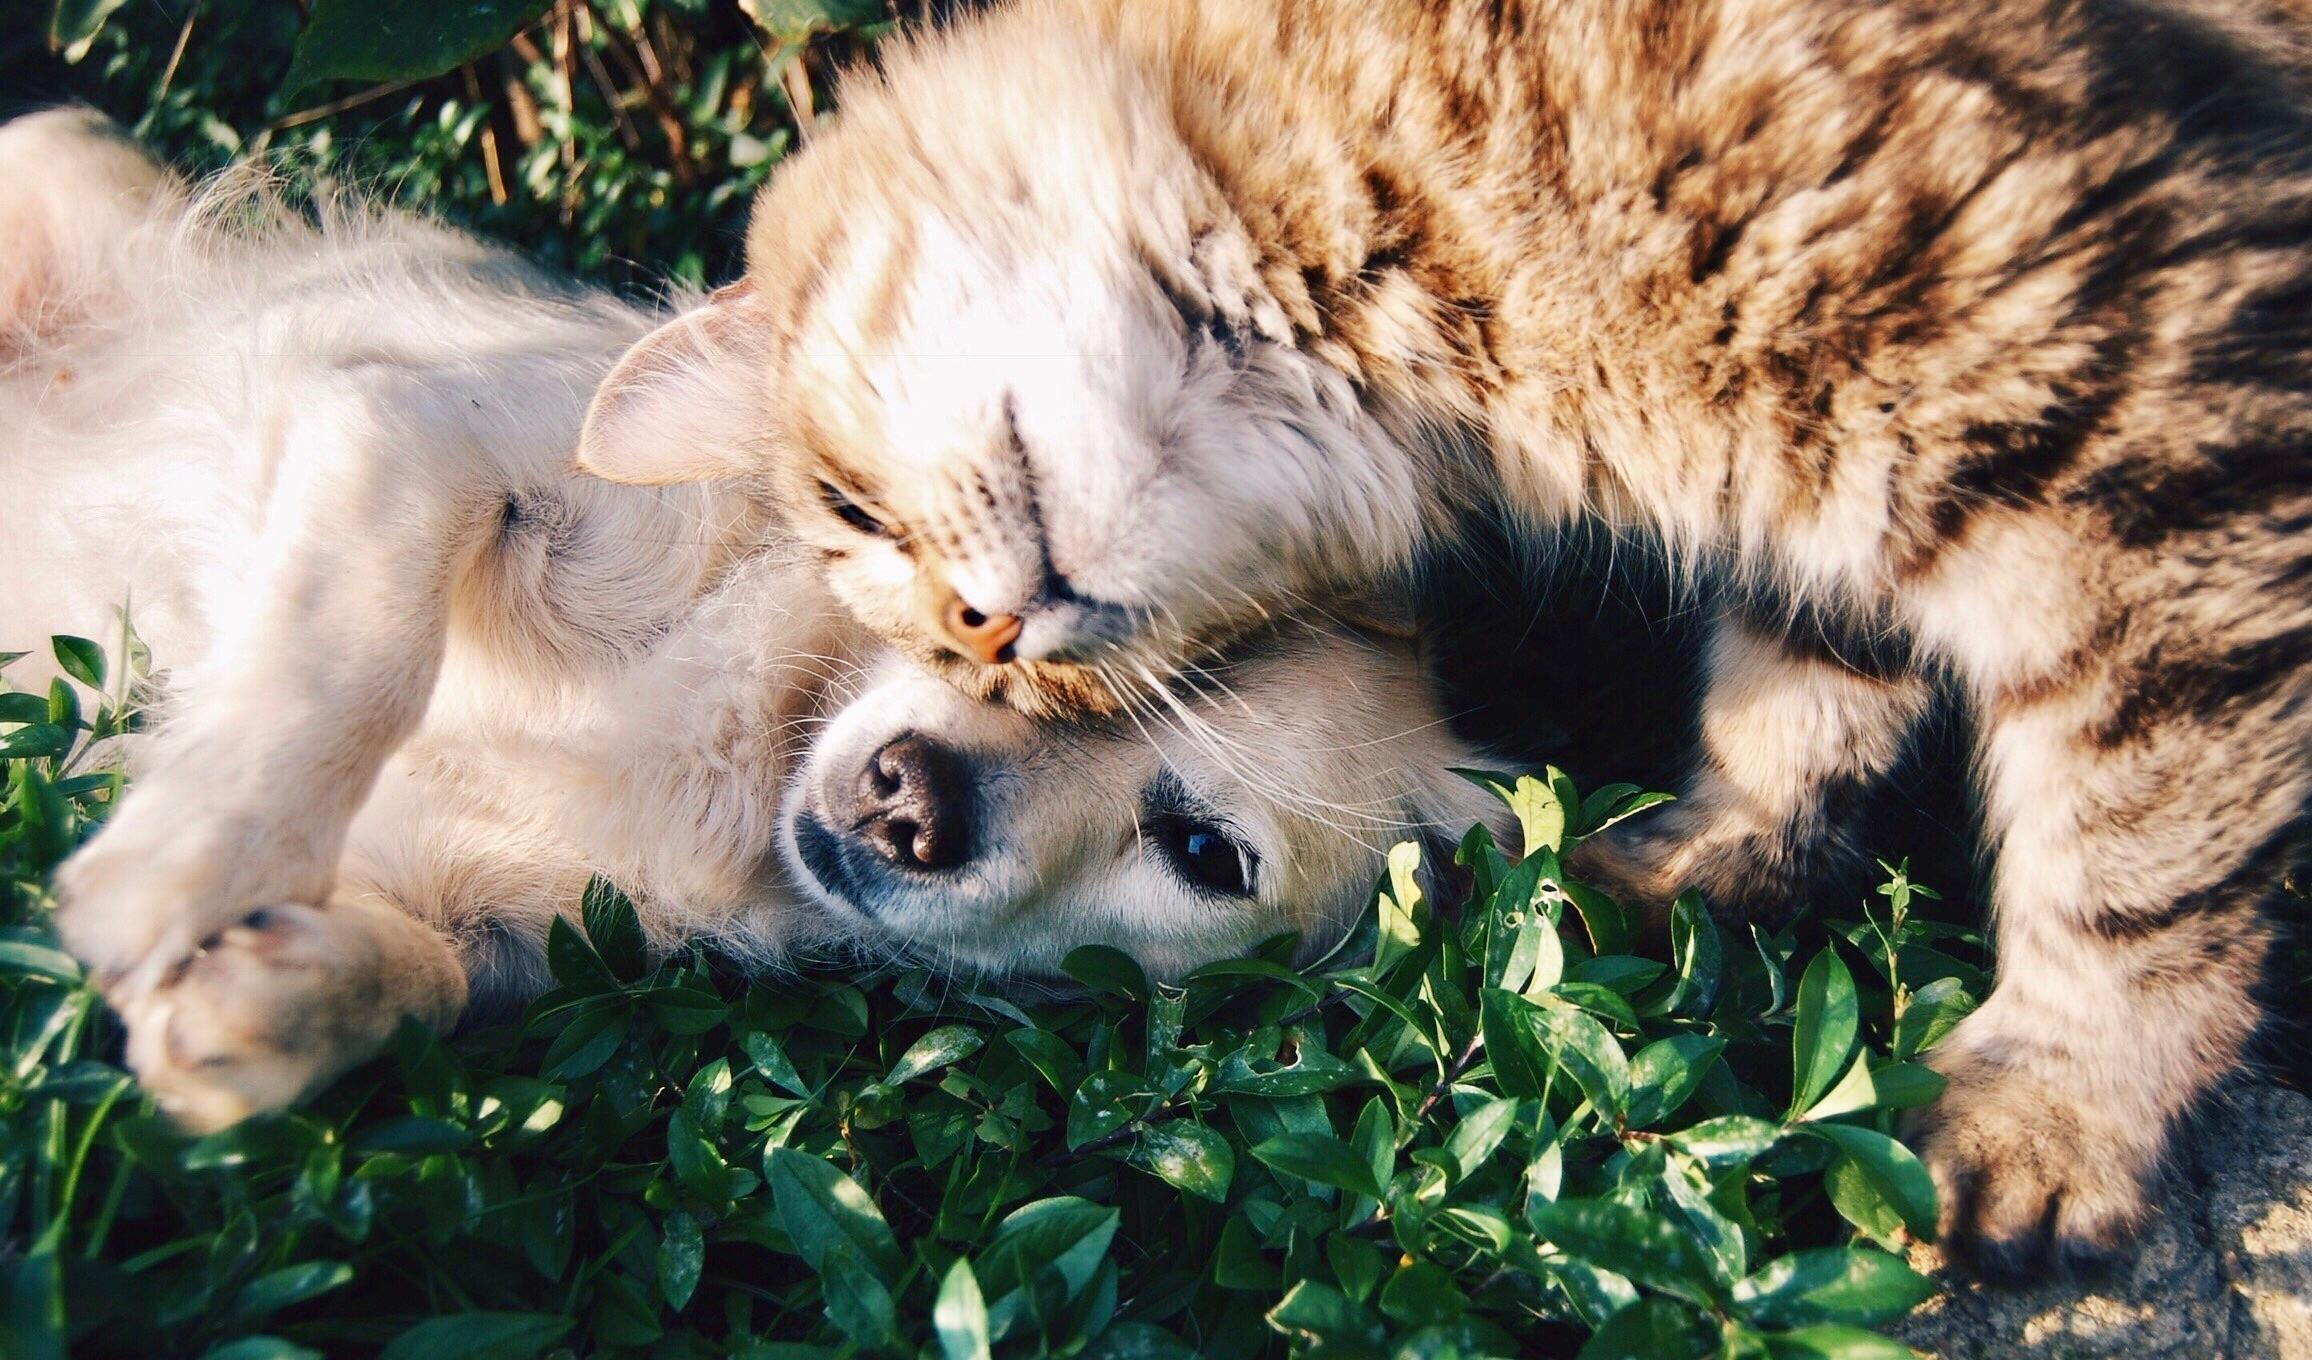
421,680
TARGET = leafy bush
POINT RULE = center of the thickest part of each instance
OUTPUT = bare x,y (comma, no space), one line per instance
1491,1132
599,136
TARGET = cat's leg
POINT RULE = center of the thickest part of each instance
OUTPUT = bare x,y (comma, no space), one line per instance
324,657
1794,735
2144,814
279,1004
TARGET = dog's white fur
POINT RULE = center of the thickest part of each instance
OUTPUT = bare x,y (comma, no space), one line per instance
422,680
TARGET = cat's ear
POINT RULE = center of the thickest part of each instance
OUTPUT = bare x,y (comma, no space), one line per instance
681,405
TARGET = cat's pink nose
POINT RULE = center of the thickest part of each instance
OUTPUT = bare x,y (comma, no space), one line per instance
985,638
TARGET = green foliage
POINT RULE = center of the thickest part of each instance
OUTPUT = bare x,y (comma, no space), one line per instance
597,135
1502,1131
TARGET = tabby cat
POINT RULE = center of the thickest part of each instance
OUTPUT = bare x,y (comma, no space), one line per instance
1948,344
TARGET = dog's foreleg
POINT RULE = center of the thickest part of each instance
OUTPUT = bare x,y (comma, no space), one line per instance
326,652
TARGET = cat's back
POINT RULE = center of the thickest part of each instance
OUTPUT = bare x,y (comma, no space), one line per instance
1767,268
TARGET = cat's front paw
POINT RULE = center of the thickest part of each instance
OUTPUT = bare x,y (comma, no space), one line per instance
263,1014
2034,1176
1647,868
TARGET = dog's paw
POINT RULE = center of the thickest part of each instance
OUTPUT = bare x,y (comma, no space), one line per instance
261,1015
2033,1177
122,914
166,874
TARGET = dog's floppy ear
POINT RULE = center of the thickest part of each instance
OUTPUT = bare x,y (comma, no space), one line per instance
681,405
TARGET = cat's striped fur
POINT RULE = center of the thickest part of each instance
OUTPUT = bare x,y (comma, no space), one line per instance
1956,343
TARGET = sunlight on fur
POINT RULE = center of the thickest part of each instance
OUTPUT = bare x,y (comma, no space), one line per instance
420,681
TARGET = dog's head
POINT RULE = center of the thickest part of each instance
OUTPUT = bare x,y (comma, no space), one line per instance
1260,800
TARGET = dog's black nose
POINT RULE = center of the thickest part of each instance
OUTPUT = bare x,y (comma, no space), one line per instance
912,804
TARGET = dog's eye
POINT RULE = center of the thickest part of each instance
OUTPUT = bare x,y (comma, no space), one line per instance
848,511
1203,854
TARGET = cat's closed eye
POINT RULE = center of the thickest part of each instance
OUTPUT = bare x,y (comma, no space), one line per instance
849,511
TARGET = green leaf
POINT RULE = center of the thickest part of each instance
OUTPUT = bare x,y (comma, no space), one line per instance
1905,1085
698,1164
1327,1317
1104,1103
1311,1072
412,1135
1138,1341
24,951
614,929
478,1336
275,1290
1523,953
821,1209
573,960
1665,1074
1608,925
1683,1191
1831,1342
947,1044
686,1008
1622,973
1106,970
1700,956
1521,1066
1480,1131
1878,1184
1642,1246
1541,812
1651,1329
1422,1294
1375,1139
1186,1155
1824,1036
798,21
260,1348
76,23
586,1042
382,40
35,741
32,1321
1319,1157
960,1315
858,1303
770,1059
681,1258
1400,930
1051,1056
1831,1284
1237,1262
1617,803
1481,1226
19,707
1933,1011
81,659
1588,1053
1066,1234
1256,968
1854,1091
1728,1139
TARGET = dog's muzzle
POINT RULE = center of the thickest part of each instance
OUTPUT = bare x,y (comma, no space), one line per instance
902,818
